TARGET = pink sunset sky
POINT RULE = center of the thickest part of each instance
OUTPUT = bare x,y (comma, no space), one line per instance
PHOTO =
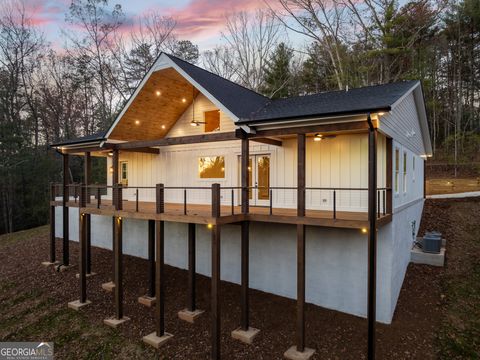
197,20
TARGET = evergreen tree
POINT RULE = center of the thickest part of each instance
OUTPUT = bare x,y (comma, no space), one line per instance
278,73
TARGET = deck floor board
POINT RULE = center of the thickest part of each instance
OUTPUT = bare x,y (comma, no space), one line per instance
201,214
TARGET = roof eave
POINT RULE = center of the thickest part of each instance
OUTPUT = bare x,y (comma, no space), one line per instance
74,144
319,116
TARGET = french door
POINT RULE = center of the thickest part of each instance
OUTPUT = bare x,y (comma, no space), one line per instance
259,179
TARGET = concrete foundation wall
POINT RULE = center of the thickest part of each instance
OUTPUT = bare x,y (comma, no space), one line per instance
404,229
336,273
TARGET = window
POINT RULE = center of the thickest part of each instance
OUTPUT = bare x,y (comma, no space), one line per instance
212,120
413,168
212,167
124,173
397,168
404,171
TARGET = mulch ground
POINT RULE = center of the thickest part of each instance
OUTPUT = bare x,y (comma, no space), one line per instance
333,335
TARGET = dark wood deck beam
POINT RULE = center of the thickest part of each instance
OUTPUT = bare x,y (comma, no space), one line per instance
181,140
353,126
268,141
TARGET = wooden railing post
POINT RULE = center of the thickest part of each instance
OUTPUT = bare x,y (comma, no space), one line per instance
99,198
119,202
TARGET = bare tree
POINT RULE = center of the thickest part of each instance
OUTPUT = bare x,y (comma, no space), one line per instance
221,61
98,24
323,21
251,38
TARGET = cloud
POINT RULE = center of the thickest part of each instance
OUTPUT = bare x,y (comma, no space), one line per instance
45,12
203,18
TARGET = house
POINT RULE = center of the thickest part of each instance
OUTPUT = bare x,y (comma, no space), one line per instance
317,198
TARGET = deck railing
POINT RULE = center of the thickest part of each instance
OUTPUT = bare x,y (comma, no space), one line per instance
230,196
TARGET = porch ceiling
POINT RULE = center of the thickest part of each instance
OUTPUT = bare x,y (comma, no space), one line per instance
152,115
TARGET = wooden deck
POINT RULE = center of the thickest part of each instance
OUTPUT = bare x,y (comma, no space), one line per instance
202,214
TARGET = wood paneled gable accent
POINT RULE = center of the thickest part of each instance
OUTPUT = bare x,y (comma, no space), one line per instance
156,108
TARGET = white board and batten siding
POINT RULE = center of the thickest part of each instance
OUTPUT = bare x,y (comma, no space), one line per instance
340,162
402,124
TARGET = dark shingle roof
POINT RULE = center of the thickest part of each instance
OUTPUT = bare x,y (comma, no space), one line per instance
83,139
251,107
359,100
241,101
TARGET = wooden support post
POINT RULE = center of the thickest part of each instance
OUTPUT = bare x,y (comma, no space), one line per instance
66,229
88,240
114,182
83,246
215,288
115,157
299,351
191,313
160,254
245,159
87,168
159,337
52,225
300,288
82,258
372,238
245,321
191,304
301,175
301,244
151,258
118,268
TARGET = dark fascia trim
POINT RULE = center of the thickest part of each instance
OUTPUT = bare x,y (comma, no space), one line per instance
78,142
313,117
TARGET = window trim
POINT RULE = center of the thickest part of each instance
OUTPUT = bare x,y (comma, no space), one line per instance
396,180
405,171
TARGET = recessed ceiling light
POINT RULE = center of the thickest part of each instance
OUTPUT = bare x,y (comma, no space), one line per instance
184,100
137,122
163,126
158,93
